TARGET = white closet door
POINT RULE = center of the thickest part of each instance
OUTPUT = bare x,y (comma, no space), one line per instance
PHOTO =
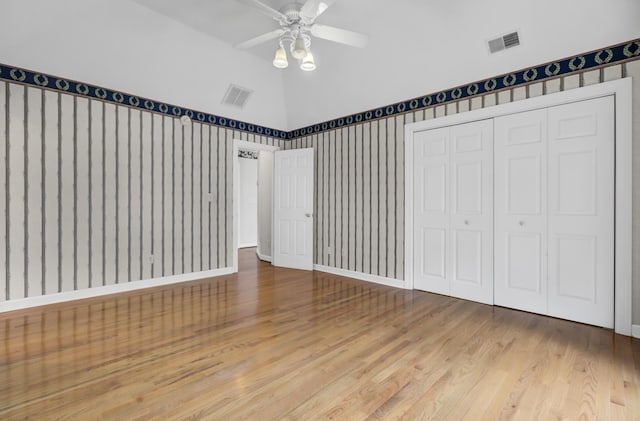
453,208
521,211
431,211
471,233
581,211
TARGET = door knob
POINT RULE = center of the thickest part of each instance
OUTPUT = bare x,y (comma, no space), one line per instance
466,222
521,223
308,215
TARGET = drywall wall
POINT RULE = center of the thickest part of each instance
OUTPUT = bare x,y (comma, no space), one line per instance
632,69
124,46
248,202
265,194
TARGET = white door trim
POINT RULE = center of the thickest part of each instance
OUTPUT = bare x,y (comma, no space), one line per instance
237,145
621,89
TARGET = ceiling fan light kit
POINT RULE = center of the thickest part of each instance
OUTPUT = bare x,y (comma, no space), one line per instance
308,64
297,24
280,60
299,49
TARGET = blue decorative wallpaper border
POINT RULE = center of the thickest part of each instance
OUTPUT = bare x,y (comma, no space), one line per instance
604,57
41,80
598,58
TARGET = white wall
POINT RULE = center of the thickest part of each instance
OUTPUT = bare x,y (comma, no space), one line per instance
440,45
124,46
248,203
265,195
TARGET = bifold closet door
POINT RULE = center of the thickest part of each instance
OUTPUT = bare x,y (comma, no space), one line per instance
471,229
521,211
581,211
431,211
554,211
453,211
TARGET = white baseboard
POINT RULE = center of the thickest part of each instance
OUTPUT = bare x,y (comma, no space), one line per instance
60,297
247,245
263,257
635,331
391,282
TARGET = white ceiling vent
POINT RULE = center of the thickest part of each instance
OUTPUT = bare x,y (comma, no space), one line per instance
504,42
236,96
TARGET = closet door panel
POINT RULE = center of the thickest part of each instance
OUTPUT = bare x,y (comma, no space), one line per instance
471,244
581,211
468,256
431,211
520,211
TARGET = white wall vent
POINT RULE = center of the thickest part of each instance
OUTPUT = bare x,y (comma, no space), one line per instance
236,96
502,43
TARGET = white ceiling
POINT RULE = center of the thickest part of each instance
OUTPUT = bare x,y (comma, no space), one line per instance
180,51
124,46
416,47
233,22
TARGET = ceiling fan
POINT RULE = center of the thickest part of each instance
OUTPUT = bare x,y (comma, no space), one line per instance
297,25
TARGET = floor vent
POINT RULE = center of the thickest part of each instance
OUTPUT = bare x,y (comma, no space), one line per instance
504,42
236,96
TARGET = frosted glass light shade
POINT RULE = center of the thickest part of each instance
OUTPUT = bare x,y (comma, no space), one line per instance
307,63
280,60
299,48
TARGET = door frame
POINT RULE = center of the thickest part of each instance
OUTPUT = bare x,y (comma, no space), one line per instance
237,145
621,90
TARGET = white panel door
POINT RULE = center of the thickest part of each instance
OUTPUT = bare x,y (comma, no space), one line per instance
453,217
521,211
581,211
431,211
471,223
293,209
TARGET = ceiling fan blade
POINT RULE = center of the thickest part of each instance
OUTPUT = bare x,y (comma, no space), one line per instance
260,39
314,8
267,10
342,36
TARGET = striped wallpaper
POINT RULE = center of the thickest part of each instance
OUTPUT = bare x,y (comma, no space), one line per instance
94,193
359,191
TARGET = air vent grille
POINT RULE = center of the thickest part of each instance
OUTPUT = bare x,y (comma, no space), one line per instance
496,45
504,42
236,96
511,40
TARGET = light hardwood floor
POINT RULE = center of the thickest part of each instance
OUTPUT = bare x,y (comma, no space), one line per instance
284,344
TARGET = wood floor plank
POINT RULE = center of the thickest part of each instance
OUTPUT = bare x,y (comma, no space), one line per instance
272,343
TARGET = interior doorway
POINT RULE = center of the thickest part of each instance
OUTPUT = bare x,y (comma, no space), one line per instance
248,201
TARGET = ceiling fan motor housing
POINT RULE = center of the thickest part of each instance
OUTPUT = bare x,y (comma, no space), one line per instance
297,26
292,12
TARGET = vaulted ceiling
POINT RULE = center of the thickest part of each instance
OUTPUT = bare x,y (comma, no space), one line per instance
182,51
